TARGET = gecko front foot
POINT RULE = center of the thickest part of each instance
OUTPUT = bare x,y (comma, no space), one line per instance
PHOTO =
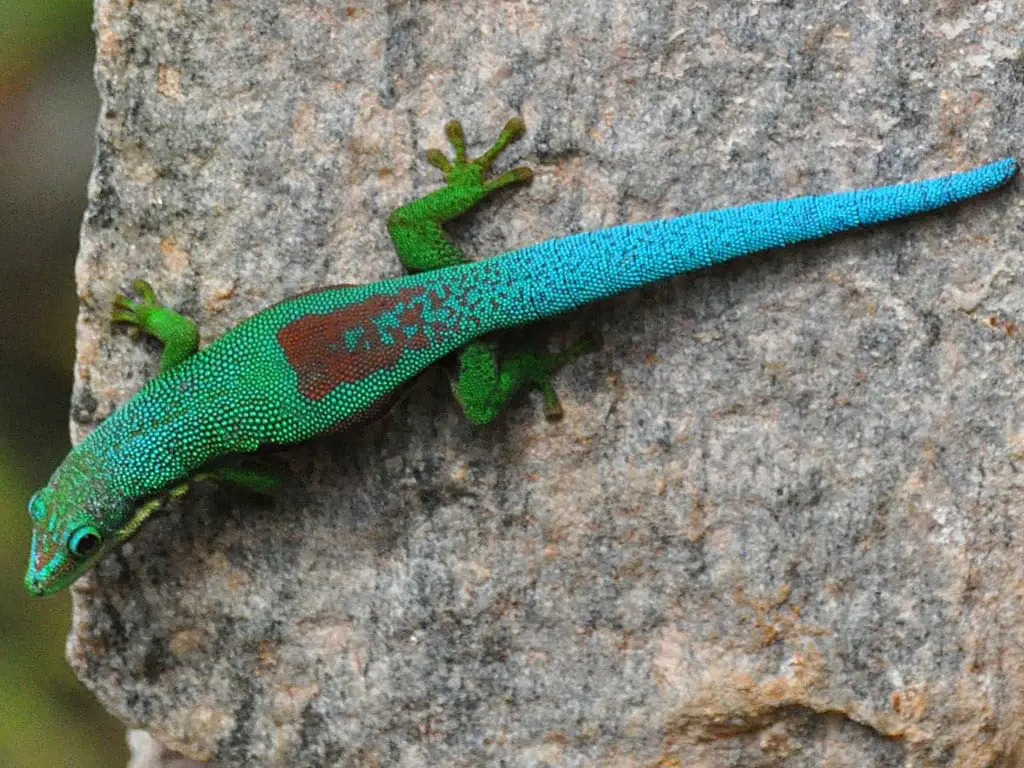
179,334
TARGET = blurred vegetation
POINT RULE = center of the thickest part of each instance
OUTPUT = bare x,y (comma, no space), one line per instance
31,29
48,109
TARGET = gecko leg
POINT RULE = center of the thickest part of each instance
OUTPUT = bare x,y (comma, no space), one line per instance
484,383
416,229
179,334
261,479
255,479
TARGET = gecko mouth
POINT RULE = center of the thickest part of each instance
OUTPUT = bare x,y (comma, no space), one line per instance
35,584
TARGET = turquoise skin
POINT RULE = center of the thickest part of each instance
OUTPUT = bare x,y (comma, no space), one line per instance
323,361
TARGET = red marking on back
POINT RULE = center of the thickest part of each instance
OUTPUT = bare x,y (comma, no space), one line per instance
320,352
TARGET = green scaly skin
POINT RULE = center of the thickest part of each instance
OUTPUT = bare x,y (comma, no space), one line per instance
80,515
322,361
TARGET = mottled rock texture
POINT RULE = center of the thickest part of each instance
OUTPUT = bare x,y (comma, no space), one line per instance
780,523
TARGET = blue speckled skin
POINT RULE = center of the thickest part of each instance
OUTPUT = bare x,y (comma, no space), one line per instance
320,361
558,275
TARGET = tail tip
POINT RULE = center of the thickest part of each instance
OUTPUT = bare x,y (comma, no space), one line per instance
1003,170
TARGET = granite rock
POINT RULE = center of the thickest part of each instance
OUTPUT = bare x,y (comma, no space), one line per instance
779,524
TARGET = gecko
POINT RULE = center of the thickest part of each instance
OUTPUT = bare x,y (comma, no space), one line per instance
326,360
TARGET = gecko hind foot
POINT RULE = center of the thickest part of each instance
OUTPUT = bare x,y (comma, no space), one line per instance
484,383
469,173
415,227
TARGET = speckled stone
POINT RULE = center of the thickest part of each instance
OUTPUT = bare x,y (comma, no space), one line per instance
780,523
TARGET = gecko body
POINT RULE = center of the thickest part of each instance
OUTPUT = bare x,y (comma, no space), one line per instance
322,361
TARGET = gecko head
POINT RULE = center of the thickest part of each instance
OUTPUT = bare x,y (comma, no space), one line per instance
66,542
73,526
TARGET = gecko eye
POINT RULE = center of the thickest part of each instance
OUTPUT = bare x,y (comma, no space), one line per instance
84,541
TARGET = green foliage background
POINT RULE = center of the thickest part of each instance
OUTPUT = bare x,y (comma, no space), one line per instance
48,108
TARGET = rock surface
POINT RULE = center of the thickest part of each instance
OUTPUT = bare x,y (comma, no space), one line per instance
780,523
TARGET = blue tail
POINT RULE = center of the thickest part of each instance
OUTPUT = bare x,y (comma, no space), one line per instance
558,275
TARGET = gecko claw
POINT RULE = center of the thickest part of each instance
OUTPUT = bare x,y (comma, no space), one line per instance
457,138
438,159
